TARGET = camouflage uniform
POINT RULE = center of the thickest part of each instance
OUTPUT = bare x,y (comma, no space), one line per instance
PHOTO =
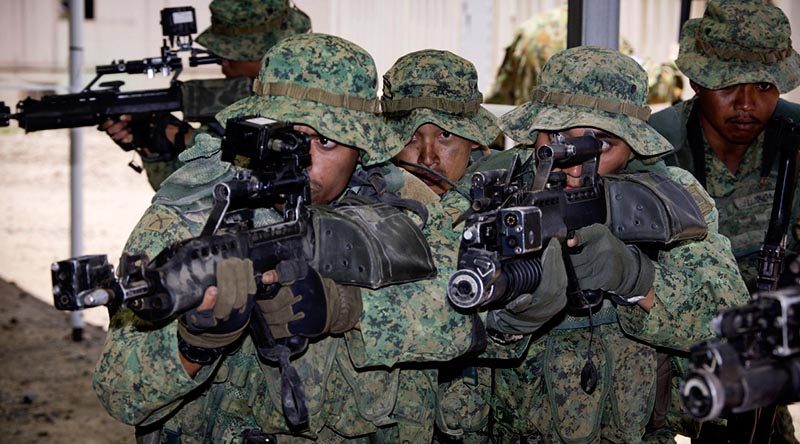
545,34
242,31
734,43
441,88
541,398
355,388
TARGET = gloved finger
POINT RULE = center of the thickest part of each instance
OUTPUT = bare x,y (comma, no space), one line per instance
291,270
226,282
285,297
552,251
246,284
589,234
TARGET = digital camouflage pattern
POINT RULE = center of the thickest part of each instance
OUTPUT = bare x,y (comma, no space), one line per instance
545,34
599,73
438,87
202,99
744,199
245,29
693,280
739,42
353,393
321,69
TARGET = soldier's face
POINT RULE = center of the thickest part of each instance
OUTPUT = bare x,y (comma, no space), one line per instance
440,150
736,114
615,155
332,164
240,68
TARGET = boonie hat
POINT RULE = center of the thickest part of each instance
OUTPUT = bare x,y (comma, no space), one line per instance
735,42
589,86
438,87
247,29
327,83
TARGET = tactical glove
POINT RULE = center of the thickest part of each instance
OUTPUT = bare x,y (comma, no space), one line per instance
224,324
309,305
606,263
528,312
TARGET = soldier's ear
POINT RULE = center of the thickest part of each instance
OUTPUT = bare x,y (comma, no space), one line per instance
695,87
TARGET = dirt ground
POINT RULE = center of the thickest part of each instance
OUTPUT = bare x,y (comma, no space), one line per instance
45,388
46,391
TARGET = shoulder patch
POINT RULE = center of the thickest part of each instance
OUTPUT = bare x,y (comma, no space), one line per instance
157,222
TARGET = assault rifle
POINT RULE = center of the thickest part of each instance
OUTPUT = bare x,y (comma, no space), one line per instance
509,222
754,362
174,281
93,106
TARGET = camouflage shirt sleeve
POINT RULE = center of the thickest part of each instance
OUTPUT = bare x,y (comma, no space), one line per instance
415,322
140,378
694,280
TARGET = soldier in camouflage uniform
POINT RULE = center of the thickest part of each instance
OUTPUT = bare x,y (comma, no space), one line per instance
669,299
241,32
431,99
545,34
355,386
739,58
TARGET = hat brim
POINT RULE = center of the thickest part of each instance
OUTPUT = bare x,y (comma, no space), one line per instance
358,129
253,46
714,73
523,123
480,127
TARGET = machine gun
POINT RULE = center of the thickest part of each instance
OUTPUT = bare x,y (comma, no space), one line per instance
754,362
509,223
93,106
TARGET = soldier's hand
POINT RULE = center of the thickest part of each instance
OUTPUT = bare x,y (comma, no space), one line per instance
528,312
307,304
118,129
222,316
603,262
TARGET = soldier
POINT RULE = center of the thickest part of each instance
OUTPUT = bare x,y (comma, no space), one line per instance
241,32
739,58
545,34
431,99
174,379
667,297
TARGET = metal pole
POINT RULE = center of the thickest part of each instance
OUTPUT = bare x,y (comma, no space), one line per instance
476,38
76,10
593,23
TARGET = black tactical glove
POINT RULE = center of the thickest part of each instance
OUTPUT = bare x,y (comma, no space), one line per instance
606,263
219,327
528,312
309,305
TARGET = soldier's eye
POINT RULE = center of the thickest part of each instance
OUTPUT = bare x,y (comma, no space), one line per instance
764,86
326,143
446,135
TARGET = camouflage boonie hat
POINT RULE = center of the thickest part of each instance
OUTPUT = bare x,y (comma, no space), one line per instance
739,42
437,87
324,82
247,29
593,87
